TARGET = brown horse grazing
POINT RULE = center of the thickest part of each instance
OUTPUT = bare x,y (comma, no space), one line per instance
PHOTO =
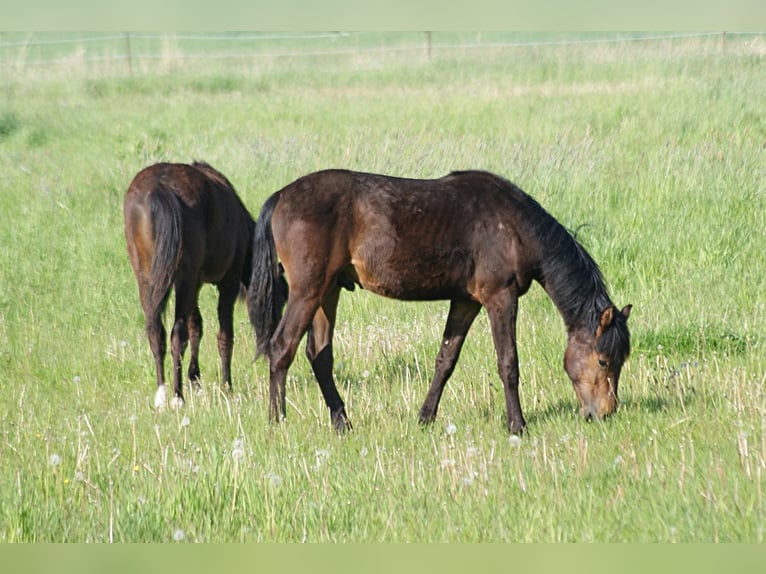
470,237
185,226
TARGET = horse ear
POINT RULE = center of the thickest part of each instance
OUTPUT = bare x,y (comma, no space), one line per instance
607,316
626,310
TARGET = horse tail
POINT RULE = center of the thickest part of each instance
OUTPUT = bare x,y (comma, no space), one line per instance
267,292
167,234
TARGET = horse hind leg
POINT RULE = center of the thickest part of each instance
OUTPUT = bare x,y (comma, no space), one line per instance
179,337
155,332
320,355
226,298
295,321
195,328
459,320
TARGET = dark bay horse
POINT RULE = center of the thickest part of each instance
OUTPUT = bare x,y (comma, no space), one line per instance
471,237
185,226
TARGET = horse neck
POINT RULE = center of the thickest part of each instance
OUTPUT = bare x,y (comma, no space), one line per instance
574,283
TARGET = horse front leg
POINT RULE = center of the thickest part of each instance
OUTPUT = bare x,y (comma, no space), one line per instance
502,310
459,321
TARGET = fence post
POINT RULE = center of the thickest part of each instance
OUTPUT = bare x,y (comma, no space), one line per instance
130,56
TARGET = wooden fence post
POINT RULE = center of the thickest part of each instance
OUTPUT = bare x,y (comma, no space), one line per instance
130,56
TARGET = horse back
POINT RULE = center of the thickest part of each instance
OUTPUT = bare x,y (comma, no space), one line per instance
404,238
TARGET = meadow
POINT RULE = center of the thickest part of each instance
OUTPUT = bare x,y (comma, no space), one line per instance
654,152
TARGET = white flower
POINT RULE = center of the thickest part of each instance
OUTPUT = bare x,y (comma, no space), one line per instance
274,479
238,449
365,374
54,459
321,456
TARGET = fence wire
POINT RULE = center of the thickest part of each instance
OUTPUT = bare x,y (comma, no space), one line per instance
47,49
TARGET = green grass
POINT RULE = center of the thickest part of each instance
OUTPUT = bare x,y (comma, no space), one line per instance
653,151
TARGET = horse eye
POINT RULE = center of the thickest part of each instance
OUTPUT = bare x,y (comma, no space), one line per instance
603,364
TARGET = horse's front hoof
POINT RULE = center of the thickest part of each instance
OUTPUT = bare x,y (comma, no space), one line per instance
340,422
426,418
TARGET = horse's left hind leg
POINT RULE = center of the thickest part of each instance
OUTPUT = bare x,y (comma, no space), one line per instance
319,353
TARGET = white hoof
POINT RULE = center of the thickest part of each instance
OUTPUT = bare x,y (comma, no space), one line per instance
161,398
176,403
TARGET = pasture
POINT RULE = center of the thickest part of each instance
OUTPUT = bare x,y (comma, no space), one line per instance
653,151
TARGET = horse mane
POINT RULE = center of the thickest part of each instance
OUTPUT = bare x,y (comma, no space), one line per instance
571,277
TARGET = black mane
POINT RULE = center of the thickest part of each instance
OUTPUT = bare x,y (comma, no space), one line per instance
574,282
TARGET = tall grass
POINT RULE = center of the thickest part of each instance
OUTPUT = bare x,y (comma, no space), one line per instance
652,151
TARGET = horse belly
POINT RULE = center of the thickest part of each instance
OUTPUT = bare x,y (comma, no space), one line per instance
415,279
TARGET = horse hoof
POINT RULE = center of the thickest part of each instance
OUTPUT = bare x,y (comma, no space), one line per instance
340,423
161,398
176,403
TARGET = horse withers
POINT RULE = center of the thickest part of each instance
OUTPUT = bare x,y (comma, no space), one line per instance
186,226
472,238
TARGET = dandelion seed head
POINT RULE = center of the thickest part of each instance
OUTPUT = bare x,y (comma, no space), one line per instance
451,429
185,422
238,449
178,535
76,379
322,454
273,479
54,459
515,440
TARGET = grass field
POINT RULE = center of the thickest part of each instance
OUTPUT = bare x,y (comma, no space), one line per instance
654,151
